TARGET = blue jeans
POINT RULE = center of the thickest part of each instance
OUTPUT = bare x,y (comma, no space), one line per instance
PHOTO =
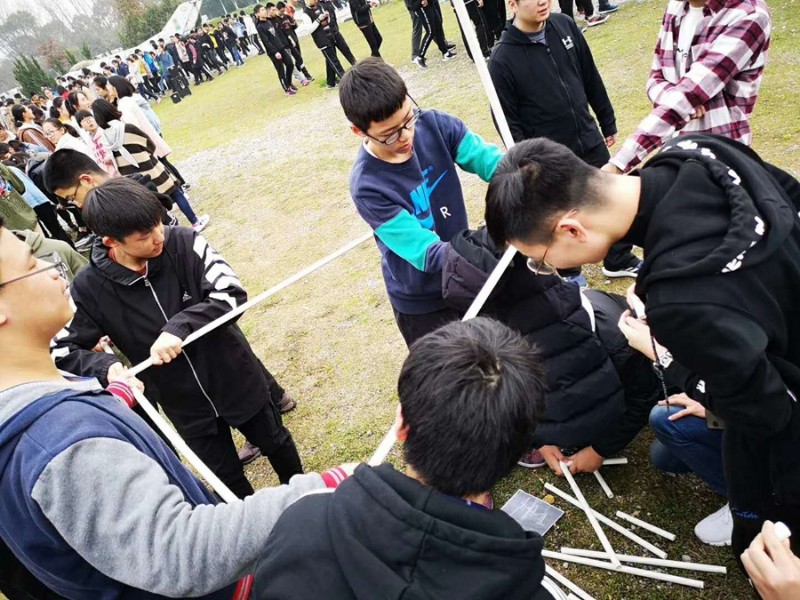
687,446
179,198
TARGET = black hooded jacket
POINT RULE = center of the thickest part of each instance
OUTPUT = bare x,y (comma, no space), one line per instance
384,536
585,397
186,287
546,90
721,282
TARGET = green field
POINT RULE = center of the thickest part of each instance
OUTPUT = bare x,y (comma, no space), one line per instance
273,174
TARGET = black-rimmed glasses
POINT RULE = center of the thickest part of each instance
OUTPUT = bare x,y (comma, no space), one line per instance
393,137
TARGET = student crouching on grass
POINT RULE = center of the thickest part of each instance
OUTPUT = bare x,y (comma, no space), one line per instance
469,402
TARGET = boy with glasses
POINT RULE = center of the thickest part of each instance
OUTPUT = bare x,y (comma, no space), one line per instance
404,185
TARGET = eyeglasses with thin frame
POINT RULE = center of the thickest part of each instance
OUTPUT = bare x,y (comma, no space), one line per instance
393,137
71,197
542,267
55,263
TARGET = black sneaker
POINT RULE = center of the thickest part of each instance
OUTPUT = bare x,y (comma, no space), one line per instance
608,9
450,54
629,271
450,45
418,60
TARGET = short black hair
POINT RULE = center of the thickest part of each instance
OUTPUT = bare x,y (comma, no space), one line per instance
64,167
100,81
270,5
280,5
105,112
536,182
371,91
471,393
123,86
121,207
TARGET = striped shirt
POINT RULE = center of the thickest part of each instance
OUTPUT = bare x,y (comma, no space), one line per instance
142,149
722,74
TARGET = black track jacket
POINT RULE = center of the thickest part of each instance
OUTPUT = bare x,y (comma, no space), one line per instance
186,287
546,90
721,282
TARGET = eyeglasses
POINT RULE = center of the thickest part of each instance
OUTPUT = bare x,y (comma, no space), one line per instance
49,134
56,263
71,197
542,267
392,138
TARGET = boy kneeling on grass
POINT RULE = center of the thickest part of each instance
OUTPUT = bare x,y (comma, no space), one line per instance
470,394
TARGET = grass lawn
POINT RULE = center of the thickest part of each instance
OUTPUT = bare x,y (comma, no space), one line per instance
273,174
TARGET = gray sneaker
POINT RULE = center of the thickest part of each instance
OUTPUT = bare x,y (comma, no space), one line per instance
717,528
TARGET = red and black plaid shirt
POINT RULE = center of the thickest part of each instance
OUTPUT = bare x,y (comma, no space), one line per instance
722,74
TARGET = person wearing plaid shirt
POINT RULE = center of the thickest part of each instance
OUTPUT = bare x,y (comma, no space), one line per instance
712,86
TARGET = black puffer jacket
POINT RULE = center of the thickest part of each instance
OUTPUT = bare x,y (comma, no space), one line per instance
323,33
585,395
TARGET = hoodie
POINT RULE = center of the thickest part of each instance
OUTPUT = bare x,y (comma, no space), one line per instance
383,535
546,89
721,283
585,399
97,507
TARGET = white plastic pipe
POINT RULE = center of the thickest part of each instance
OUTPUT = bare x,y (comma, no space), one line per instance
615,461
646,525
601,480
613,524
165,428
259,299
590,562
590,515
183,449
646,560
577,591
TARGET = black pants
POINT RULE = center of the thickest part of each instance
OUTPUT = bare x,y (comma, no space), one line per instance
495,14
213,61
642,388
284,67
200,70
257,43
264,430
476,16
341,46
173,170
431,22
413,327
222,56
586,6
374,39
299,62
416,34
46,214
333,68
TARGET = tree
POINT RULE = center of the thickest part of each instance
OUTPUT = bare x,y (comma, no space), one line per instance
54,56
139,25
70,57
31,76
86,51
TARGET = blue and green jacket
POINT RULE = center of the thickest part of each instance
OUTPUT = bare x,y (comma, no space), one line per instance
416,207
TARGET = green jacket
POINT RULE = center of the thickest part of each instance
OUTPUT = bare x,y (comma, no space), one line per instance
43,246
15,211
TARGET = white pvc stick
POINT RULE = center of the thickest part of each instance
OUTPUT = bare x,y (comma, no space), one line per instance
258,299
782,532
613,524
490,284
483,71
184,449
646,560
615,461
601,480
383,450
646,525
572,596
579,593
590,515
589,562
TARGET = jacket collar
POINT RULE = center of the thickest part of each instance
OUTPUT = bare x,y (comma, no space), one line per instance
115,271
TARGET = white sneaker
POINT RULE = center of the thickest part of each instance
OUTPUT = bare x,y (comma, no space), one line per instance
717,528
201,224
